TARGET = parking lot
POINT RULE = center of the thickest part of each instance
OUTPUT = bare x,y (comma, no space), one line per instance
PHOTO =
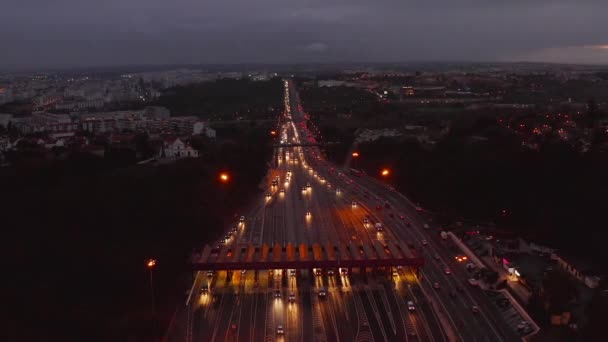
510,314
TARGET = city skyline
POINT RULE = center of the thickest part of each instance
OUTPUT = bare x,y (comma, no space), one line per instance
86,34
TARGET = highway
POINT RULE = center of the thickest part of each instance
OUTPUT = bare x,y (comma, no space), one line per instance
301,203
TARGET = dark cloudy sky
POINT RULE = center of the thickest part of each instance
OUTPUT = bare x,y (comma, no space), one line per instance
58,33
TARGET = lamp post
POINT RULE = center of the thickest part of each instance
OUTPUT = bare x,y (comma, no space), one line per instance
151,263
355,157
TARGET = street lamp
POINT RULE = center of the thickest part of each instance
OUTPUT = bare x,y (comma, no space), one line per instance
385,172
355,154
224,177
151,263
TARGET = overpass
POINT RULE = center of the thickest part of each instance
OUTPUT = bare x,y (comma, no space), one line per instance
305,144
303,256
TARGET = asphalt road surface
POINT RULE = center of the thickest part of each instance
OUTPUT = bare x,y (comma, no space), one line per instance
304,207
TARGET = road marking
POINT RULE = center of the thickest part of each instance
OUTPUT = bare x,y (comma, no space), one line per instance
218,316
269,322
317,320
366,335
388,310
372,301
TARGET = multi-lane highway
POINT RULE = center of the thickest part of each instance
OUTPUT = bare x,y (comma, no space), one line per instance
308,200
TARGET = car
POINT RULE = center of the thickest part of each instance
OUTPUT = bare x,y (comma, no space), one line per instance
228,236
322,292
209,273
242,219
401,217
473,281
304,189
292,297
205,289
318,272
282,191
366,220
424,242
308,186
234,326
426,226
308,214
292,273
243,271
475,309
447,270
235,229
338,191
395,273
280,330
344,271
330,272
410,305
277,294
354,204
436,286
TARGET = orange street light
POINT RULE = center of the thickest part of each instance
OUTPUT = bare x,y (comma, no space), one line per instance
151,263
224,177
385,172
273,132
355,154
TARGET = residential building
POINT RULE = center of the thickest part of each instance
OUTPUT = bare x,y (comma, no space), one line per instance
176,148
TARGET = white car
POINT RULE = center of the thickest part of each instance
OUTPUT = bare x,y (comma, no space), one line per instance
410,305
354,204
280,330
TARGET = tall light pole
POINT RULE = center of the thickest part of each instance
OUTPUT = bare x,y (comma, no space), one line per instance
151,264
355,157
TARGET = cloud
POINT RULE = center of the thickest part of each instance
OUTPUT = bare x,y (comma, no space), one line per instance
314,47
110,32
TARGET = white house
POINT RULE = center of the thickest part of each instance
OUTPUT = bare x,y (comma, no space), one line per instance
176,148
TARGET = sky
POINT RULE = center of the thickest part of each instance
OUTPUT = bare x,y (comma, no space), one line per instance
82,33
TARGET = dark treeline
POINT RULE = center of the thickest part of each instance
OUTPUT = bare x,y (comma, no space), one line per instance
556,195
78,231
225,99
